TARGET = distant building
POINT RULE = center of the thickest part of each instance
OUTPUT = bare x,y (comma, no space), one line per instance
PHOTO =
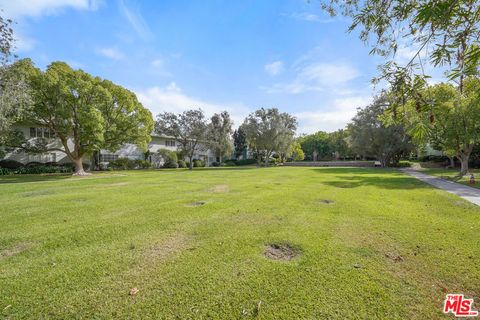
129,151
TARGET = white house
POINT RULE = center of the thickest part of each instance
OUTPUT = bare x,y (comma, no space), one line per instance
129,151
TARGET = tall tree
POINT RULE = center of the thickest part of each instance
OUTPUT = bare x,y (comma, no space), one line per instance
239,142
219,133
369,136
188,128
450,121
14,91
338,143
316,144
85,113
268,131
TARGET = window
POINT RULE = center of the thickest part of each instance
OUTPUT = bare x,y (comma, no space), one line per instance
107,157
41,133
42,157
170,143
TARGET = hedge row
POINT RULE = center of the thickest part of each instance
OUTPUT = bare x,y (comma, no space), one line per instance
36,170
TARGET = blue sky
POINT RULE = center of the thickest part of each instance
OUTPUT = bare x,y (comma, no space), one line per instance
217,55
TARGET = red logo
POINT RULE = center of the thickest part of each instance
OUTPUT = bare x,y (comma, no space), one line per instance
457,304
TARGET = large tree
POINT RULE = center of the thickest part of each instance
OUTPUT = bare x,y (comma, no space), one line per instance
268,131
219,134
370,137
316,144
239,142
338,143
188,128
14,91
450,120
84,112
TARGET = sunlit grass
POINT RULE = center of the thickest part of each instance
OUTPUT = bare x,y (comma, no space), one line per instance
193,245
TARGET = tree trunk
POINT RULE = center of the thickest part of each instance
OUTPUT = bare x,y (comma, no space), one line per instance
452,161
464,164
79,168
190,164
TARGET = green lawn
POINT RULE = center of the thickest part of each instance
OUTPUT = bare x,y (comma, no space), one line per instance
452,175
75,247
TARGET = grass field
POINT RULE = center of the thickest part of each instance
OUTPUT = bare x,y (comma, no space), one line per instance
386,246
452,175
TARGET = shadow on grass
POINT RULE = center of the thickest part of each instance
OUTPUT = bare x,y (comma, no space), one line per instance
224,168
33,178
347,178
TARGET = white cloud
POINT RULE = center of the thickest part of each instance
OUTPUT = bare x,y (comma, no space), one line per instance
15,9
317,77
24,43
172,99
306,16
135,19
341,111
111,53
157,63
274,68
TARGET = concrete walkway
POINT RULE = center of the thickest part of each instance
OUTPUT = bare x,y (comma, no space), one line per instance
467,193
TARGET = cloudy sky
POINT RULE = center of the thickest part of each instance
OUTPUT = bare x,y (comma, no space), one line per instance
215,55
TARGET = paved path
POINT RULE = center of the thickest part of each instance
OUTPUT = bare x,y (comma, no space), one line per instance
465,192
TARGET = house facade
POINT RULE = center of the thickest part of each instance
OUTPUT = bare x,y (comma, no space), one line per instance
129,151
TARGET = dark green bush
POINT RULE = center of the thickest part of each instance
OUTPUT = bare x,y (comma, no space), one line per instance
10,164
230,163
36,170
245,162
215,164
182,164
120,164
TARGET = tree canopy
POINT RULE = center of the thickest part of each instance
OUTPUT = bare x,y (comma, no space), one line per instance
445,33
370,137
239,142
450,122
189,129
84,112
268,131
218,135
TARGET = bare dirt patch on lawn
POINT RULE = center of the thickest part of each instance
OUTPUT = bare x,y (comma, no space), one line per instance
219,188
167,248
326,201
196,204
281,251
18,248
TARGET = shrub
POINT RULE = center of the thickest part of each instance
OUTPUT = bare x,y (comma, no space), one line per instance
142,164
230,163
198,163
10,164
5,171
170,158
120,164
245,162
215,164
182,164
36,170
